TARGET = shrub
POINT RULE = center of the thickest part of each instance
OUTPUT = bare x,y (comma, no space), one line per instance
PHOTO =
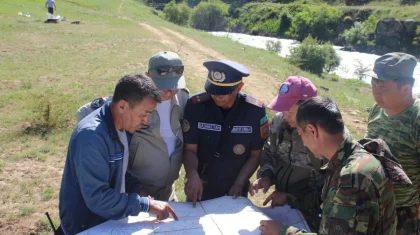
261,19
272,45
319,21
359,35
360,70
209,16
355,35
332,58
313,57
177,13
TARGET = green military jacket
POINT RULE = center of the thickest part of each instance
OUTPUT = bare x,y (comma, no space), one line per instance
357,196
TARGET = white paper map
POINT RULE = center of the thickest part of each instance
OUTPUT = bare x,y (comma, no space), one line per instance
220,216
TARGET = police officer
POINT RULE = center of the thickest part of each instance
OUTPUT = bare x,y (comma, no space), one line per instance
224,132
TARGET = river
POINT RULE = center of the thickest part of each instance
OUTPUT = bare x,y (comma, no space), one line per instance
348,58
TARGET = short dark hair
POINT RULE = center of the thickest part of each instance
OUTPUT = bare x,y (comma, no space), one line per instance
322,112
404,81
133,88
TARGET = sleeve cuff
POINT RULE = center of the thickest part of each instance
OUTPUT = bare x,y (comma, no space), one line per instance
145,204
268,173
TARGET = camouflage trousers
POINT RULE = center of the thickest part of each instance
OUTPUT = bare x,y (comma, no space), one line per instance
407,221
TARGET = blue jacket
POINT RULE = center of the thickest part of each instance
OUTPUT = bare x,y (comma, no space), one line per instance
91,183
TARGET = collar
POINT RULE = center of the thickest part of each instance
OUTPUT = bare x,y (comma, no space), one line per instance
106,113
343,152
175,100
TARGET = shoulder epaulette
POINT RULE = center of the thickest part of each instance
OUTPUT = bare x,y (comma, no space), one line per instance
200,97
254,101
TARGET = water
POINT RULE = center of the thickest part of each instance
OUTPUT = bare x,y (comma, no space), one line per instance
348,58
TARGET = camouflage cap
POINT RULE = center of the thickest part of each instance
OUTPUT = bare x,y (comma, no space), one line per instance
393,66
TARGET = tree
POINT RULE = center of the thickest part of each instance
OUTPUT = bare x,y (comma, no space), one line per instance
177,13
209,16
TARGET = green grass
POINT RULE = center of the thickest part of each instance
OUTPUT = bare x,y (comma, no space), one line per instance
27,211
386,9
50,70
47,193
31,154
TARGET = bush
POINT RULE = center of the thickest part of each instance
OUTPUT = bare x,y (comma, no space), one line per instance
272,45
361,69
262,19
209,16
319,21
177,13
313,57
332,60
359,36
355,35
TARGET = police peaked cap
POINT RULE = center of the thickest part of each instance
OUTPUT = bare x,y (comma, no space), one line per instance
224,76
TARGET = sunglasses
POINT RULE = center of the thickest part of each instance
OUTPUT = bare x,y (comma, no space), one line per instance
163,71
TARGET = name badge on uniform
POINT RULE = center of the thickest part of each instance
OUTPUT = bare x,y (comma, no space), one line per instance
242,129
209,126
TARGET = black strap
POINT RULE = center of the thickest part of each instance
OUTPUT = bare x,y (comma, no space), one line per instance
59,230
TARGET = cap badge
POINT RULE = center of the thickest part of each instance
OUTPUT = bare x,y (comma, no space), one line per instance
217,76
284,89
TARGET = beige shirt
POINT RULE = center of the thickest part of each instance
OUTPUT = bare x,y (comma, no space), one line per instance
150,161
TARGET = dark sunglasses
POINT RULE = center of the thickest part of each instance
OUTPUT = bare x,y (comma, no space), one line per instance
162,71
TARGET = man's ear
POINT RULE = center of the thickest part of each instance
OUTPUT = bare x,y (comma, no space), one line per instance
122,105
407,89
313,130
240,85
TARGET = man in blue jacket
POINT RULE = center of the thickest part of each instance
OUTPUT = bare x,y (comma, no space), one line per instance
96,185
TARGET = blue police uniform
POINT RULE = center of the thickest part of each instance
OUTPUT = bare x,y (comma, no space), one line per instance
224,138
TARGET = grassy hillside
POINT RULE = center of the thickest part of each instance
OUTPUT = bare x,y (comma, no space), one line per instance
386,9
49,70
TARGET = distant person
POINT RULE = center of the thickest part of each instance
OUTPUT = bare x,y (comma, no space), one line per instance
96,185
395,118
156,150
50,5
358,195
285,161
224,132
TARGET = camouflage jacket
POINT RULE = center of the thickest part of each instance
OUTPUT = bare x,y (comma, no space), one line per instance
402,134
292,167
358,193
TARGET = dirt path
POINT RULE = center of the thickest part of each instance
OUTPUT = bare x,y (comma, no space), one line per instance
119,8
194,54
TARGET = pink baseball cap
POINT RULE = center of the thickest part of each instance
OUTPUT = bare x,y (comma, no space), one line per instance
292,90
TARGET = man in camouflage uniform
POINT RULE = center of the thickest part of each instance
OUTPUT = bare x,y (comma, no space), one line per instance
285,161
358,191
395,118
